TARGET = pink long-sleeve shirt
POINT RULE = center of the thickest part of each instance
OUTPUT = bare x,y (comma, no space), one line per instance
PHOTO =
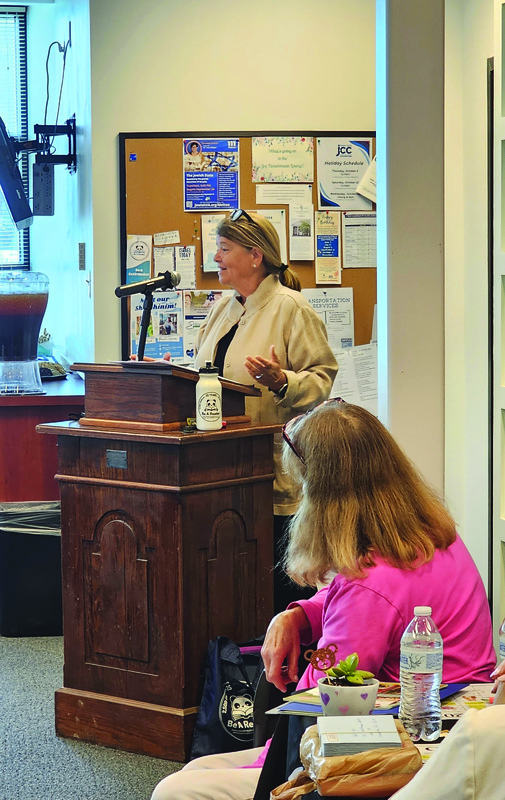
368,616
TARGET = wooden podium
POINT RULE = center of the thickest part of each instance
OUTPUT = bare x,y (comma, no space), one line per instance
166,544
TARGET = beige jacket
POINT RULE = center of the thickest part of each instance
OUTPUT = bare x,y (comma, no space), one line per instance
468,764
274,315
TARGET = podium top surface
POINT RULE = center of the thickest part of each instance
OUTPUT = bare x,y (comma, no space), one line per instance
163,368
177,437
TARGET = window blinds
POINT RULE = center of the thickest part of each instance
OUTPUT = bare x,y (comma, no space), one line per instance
14,244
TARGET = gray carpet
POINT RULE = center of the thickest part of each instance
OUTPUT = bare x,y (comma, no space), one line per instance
34,763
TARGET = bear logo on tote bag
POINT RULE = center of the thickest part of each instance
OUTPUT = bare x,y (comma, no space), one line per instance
236,711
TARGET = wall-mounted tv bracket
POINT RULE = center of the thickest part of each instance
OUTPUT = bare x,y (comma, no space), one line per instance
43,143
45,133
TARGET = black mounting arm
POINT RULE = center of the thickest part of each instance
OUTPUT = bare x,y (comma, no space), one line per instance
42,144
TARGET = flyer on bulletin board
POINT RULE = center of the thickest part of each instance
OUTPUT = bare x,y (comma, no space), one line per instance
341,164
301,232
336,309
197,306
211,174
282,159
359,234
165,332
210,224
356,379
328,250
138,257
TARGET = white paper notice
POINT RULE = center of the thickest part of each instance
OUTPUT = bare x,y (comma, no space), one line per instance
210,224
341,164
167,237
356,379
336,309
301,232
359,234
185,266
277,216
368,183
163,258
282,194
328,258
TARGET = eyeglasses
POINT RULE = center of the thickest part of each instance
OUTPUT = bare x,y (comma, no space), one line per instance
290,423
238,213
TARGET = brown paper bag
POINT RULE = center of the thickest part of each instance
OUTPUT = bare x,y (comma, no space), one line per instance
372,773
297,787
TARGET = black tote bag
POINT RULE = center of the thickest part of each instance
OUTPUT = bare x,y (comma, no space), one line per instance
224,721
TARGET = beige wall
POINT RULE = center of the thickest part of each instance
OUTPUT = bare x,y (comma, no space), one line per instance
469,43
215,66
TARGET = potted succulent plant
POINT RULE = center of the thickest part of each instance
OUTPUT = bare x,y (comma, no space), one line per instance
347,690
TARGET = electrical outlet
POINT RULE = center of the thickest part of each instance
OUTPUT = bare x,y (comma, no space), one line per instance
43,190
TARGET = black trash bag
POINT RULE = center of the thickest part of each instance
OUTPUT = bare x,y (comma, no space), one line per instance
224,722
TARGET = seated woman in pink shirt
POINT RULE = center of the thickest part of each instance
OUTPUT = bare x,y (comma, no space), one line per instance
367,516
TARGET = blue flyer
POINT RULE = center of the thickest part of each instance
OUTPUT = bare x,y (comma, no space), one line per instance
211,174
165,332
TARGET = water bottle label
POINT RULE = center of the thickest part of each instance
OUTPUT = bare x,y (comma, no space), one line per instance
502,649
209,406
415,660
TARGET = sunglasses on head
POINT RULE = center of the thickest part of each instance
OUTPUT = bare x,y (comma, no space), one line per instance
238,213
292,422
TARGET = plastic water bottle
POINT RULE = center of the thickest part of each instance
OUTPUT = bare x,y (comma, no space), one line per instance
421,658
501,636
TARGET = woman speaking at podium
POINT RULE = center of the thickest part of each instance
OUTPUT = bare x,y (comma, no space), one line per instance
267,331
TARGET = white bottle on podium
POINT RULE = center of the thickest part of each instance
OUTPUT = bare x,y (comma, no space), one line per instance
209,415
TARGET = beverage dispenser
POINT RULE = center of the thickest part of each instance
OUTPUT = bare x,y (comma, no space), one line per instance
23,301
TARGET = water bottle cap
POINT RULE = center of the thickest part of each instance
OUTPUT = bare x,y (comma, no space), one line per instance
209,369
422,611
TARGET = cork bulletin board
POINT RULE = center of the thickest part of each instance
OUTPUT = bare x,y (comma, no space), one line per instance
152,200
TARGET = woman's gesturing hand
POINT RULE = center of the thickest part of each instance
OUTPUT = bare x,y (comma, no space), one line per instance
266,371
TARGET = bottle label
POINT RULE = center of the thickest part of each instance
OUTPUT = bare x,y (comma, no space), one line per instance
209,406
415,660
502,649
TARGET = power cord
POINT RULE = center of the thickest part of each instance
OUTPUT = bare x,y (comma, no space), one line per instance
62,49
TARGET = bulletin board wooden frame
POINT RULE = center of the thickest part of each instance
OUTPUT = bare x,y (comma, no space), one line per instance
152,201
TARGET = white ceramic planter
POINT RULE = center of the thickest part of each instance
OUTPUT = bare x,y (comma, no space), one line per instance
338,701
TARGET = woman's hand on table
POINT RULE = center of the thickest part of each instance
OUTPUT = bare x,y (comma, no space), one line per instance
266,371
499,684
282,641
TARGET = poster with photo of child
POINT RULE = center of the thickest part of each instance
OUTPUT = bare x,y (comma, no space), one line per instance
165,331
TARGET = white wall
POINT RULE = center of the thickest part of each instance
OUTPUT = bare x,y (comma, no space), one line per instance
469,43
54,240
215,66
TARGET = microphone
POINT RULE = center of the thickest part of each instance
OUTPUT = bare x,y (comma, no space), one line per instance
165,280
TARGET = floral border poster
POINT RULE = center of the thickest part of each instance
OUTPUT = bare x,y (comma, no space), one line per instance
282,159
